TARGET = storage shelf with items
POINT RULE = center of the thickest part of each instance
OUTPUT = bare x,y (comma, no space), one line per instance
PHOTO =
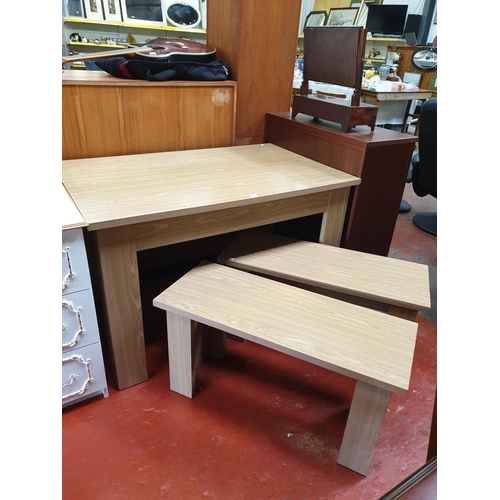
86,31
380,51
120,30
83,371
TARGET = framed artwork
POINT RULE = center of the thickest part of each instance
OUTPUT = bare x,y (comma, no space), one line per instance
73,8
315,18
112,10
341,17
93,9
414,78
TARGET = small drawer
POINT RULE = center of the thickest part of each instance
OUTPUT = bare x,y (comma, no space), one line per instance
83,374
79,321
75,268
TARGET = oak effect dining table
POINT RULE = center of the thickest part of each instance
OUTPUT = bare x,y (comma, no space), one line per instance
144,201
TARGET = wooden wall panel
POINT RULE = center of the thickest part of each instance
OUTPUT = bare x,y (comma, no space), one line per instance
106,116
258,41
331,4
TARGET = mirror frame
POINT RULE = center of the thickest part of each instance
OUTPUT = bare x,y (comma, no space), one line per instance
423,49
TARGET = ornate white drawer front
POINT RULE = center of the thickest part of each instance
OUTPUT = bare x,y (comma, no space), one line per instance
75,269
83,374
79,321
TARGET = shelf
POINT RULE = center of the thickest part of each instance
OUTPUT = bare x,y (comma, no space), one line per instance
371,59
133,26
100,45
384,39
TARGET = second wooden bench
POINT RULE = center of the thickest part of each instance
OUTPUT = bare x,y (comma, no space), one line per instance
399,287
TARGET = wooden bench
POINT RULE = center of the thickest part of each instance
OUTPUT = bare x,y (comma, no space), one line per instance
375,349
399,287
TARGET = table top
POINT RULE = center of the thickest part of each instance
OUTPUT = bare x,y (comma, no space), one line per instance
71,217
102,78
399,95
121,190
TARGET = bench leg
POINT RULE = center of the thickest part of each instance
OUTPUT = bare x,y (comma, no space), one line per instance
182,348
403,312
368,409
208,341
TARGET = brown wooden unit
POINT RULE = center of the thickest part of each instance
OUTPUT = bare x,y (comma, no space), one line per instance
107,116
257,39
381,158
405,64
335,110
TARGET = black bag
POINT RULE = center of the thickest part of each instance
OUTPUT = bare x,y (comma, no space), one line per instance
157,71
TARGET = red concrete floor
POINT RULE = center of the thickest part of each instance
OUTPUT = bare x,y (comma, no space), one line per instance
262,426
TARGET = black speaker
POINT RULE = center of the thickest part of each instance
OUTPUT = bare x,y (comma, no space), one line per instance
413,23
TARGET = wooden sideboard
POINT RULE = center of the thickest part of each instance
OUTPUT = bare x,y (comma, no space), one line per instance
381,158
107,116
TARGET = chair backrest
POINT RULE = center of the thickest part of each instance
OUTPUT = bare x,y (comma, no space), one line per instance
424,175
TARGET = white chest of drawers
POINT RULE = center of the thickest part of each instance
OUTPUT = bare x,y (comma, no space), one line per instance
83,372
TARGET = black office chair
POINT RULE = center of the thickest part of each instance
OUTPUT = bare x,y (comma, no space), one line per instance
424,164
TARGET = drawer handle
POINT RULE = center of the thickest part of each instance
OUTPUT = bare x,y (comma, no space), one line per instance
81,331
70,274
73,376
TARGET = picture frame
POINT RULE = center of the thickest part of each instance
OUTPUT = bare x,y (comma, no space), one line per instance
112,10
414,78
93,10
341,17
315,18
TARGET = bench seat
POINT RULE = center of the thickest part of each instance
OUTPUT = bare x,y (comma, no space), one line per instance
401,286
373,348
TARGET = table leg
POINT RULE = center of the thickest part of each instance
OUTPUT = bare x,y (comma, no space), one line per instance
122,301
332,224
407,113
368,409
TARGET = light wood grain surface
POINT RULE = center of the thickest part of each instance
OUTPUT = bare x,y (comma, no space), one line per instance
392,281
122,190
357,342
71,217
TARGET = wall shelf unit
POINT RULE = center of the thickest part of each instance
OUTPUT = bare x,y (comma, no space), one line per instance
99,45
149,27
97,29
